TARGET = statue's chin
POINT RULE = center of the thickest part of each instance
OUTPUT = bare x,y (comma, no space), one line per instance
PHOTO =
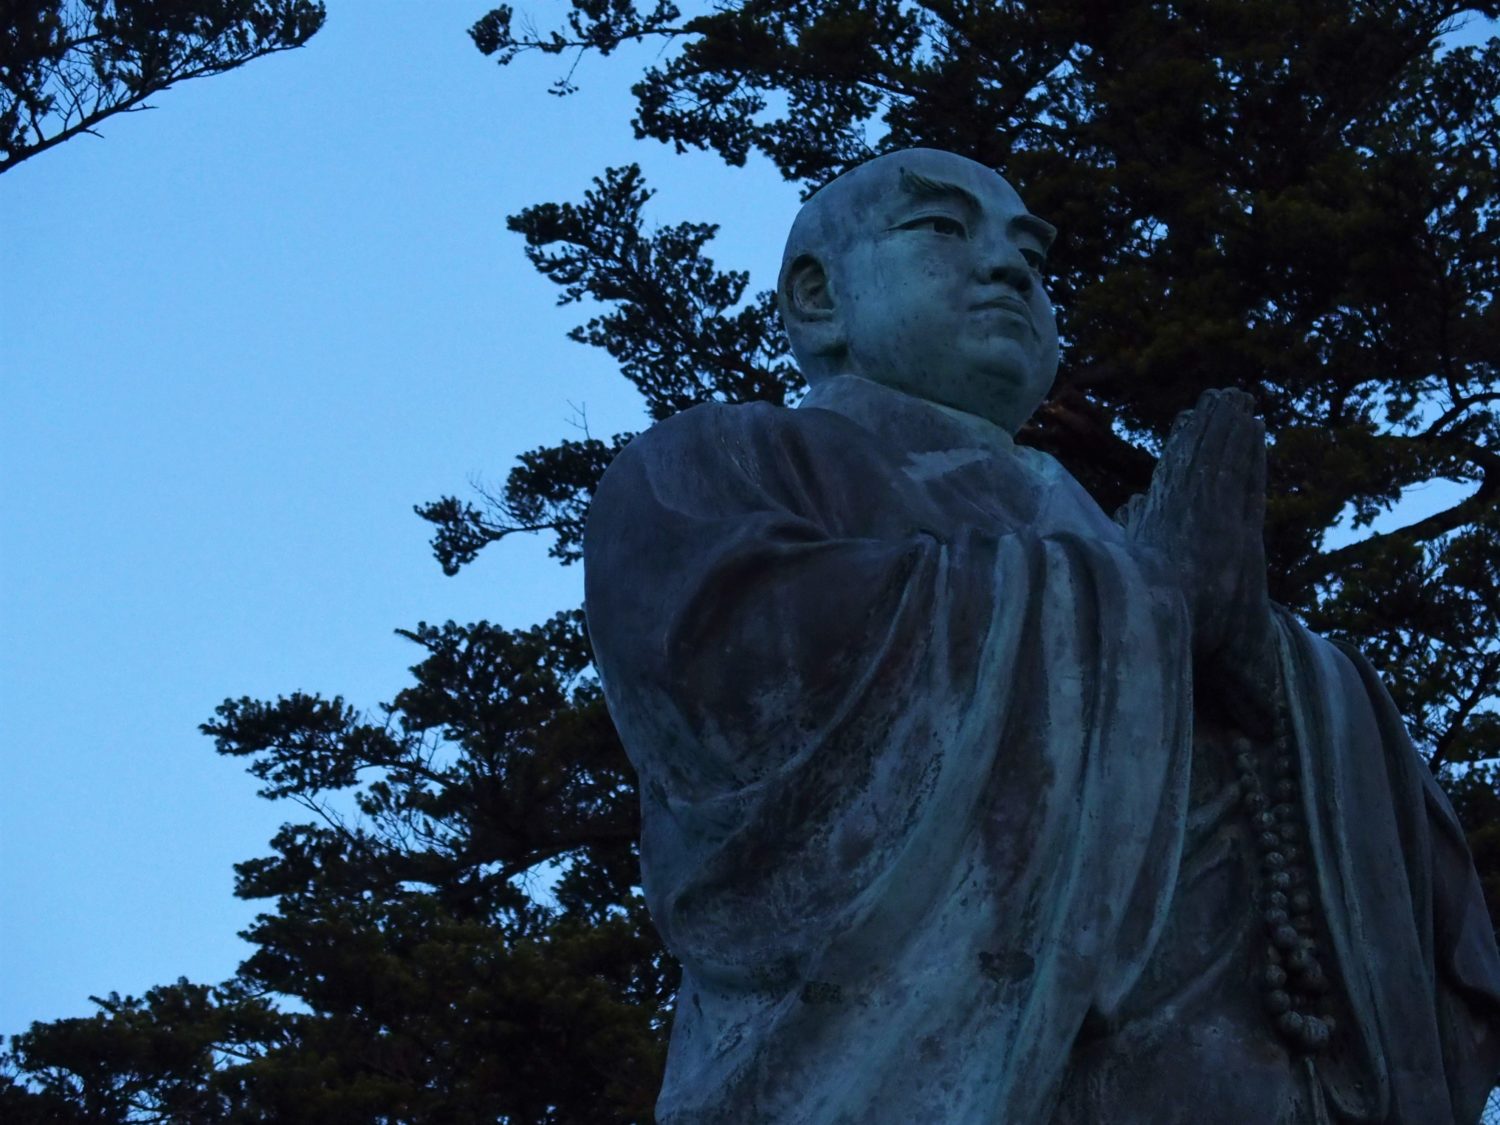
1005,399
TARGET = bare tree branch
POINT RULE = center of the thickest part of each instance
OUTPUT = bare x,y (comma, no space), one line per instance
72,65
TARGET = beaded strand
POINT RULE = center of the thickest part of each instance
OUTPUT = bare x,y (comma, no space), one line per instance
1295,989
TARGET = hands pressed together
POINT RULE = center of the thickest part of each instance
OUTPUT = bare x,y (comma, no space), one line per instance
1205,515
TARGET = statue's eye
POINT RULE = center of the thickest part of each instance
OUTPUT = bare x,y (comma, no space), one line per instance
1034,258
938,224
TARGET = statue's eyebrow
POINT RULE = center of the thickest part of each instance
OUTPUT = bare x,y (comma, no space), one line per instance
1039,229
925,187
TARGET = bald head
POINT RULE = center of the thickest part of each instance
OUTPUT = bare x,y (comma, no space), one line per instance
834,216
918,269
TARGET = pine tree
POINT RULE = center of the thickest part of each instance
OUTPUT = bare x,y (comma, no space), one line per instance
68,65
1296,200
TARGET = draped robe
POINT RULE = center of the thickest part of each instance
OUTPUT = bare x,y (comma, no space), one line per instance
927,818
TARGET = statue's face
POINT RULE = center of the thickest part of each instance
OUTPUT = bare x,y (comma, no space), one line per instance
938,288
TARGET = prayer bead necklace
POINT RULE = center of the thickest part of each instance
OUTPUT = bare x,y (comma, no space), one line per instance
1295,989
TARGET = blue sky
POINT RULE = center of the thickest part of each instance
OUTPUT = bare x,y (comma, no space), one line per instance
241,336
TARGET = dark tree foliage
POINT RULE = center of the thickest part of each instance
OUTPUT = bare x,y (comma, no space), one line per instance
430,977
66,65
681,331
1295,199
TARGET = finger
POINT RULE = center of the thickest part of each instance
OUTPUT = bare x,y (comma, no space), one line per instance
1222,449
1173,467
1182,435
1204,438
1228,398
1238,435
1255,484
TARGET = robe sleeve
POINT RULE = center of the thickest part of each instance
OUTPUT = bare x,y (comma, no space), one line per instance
1405,914
921,770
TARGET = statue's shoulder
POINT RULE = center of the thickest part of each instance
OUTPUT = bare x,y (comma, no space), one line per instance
746,434
718,459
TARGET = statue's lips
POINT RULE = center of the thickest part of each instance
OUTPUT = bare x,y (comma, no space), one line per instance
1004,303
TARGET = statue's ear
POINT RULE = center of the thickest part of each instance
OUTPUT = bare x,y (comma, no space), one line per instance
809,307
806,287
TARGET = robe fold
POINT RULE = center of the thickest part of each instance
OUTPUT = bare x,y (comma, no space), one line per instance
914,727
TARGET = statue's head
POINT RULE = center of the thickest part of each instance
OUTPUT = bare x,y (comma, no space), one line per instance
920,270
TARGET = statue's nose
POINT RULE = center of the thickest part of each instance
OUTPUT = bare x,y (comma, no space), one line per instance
1002,263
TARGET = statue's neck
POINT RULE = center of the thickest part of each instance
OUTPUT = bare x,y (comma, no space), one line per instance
982,430
910,421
